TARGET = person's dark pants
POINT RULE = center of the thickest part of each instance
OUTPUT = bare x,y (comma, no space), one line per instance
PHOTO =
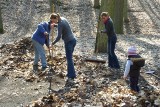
112,58
134,84
69,48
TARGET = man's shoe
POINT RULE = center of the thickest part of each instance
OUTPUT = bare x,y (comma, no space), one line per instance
44,68
70,82
35,67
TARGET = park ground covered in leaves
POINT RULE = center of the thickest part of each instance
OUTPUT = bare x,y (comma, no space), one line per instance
95,85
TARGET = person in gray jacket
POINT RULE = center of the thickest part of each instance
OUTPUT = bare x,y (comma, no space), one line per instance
65,32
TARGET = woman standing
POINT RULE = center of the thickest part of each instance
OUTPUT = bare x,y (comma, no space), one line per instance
112,39
65,32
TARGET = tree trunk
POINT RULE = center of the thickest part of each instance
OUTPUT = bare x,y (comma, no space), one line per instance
96,4
115,10
52,6
118,16
1,23
126,19
101,39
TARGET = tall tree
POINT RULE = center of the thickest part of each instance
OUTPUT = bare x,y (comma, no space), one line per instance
52,6
101,39
96,4
125,11
115,10
118,16
1,23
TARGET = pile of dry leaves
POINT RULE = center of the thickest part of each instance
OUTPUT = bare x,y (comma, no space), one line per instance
95,85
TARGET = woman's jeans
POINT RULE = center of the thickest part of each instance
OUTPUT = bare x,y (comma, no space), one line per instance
39,52
112,58
69,48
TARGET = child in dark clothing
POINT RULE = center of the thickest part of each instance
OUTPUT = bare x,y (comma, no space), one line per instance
133,67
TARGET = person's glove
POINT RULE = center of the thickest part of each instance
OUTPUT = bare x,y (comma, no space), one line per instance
46,33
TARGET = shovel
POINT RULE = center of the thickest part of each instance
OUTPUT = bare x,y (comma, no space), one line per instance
51,71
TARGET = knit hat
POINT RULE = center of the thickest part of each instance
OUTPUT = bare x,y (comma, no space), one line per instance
132,50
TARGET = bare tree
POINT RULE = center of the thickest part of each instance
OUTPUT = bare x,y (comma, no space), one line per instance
52,6
96,4
126,19
1,23
101,39
118,16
